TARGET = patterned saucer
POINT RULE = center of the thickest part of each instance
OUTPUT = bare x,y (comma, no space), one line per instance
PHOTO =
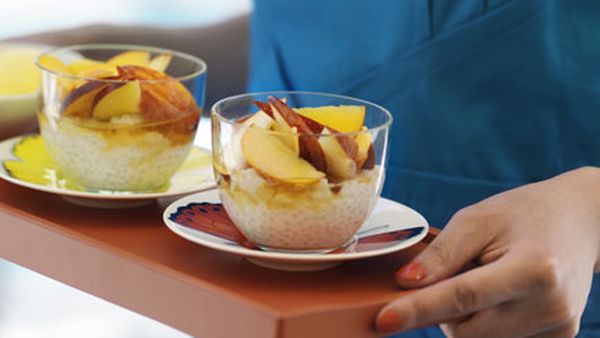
25,161
202,219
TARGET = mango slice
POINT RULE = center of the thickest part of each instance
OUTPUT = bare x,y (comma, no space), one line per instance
131,57
344,119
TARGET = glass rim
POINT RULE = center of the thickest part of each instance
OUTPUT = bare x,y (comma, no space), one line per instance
216,112
124,47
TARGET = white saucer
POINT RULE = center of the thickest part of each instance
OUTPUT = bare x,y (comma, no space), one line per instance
194,175
397,216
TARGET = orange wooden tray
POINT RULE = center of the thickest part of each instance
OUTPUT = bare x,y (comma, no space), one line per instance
130,258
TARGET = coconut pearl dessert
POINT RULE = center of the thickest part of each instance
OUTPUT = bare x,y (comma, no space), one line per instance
129,130
292,182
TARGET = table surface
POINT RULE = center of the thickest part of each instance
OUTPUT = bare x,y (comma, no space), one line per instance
130,258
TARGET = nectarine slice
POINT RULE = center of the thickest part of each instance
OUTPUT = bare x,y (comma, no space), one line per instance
265,108
120,101
80,101
370,161
167,90
273,159
310,149
339,165
288,134
364,141
261,120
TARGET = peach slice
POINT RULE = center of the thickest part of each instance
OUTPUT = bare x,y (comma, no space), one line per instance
168,85
288,134
265,108
123,100
314,126
339,165
261,120
364,142
163,99
133,72
80,101
346,142
272,158
370,161
310,149
155,107
130,57
344,119
166,100
160,62
233,158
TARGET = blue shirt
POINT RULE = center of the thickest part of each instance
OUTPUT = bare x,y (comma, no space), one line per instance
487,95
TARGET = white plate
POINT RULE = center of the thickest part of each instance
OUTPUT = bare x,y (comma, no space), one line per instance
188,179
395,215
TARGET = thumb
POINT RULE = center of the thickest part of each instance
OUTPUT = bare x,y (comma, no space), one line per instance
462,240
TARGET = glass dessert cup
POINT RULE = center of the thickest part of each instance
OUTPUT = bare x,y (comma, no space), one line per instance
119,117
299,171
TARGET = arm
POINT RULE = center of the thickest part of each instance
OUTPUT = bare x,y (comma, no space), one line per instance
536,249
224,47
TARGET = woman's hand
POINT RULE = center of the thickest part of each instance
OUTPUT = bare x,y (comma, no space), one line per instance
535,247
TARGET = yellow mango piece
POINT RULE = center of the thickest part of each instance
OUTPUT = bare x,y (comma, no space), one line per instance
54,64
344,119
131,57
84,64
33,161
123,100
26,172
92,69
160,62
33,151
34,165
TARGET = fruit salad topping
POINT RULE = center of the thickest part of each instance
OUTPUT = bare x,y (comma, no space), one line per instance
304,145
137,89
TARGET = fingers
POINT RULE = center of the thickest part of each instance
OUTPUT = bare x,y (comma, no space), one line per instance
462,240
497,322
565,331
462,295
508,322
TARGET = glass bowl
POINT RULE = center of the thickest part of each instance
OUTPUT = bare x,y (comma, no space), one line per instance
119,117
290,183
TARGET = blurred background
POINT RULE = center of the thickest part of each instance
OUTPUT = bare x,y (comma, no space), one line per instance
32,305
31,16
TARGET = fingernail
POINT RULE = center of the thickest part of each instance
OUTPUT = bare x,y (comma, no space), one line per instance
389,321
413,272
